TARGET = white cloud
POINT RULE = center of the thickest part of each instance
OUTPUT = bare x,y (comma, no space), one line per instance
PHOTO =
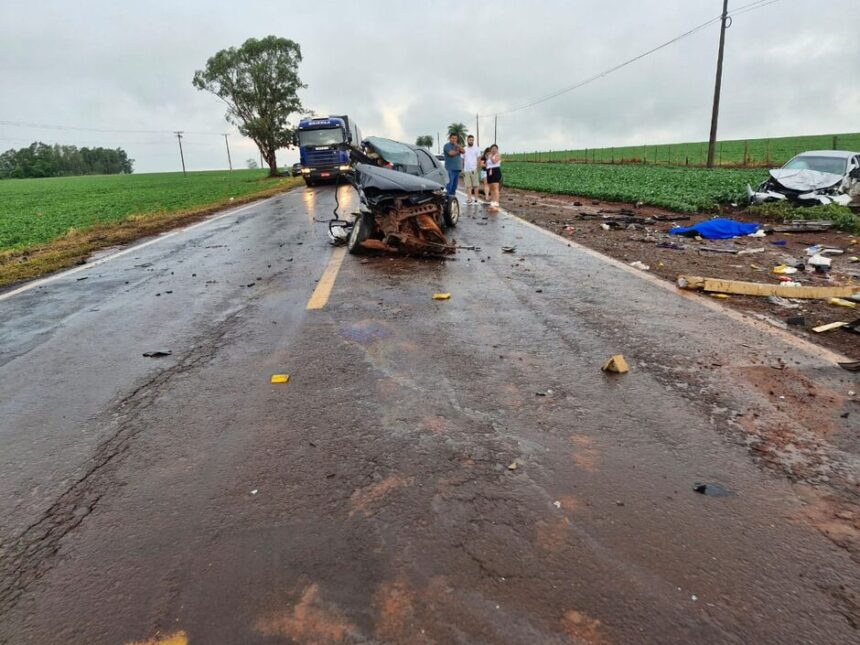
403,69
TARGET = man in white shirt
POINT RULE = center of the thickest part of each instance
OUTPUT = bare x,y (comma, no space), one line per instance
471,169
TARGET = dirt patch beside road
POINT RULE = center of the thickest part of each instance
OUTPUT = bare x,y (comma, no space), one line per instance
668,256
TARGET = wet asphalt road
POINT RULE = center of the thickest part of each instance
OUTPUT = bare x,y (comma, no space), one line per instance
374,498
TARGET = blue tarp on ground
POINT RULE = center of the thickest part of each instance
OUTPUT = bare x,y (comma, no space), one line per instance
716,229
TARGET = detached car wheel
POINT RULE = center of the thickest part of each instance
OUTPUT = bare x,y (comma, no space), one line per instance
360,232
452,212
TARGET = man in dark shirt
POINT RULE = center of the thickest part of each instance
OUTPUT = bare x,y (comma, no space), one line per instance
453,162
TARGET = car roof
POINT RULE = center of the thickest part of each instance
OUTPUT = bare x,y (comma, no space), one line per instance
841,154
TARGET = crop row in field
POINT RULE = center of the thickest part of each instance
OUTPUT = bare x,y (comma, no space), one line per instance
678,188
740,152
36,211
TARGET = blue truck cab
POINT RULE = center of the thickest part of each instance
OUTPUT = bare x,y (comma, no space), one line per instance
324,147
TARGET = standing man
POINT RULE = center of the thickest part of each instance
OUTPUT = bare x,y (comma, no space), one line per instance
471,169
452,151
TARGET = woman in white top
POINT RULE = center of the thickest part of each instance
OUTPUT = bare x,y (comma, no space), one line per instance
494,175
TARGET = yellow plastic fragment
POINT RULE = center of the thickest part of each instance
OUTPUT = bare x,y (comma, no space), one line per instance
839,302
721,296
441,296
280,378
616,364
782,268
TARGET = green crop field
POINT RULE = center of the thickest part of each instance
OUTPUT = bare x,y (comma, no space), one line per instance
37,211
683,189
740,152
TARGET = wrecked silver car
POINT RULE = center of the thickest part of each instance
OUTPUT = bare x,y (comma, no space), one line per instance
400,213
810,178
403,204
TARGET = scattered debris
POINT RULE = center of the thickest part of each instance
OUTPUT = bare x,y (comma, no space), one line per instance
640,265
279,378
711,490
512,466
751,251
157,354
720,296
782,302
83,278
717,249
820,262
839,302
616,364
254,492
803,226
441,296
828,327
796,321
853,366
557,504
784,269
760,289
509,249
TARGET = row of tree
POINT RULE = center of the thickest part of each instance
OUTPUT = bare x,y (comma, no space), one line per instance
41,160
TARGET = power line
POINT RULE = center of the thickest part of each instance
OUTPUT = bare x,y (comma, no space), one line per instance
742,9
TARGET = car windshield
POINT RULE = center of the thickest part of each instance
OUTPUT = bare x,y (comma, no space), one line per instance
321,137
833,165
393,152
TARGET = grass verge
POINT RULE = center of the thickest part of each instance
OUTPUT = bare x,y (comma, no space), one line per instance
31,260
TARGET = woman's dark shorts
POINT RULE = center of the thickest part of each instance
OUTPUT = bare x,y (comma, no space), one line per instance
494,175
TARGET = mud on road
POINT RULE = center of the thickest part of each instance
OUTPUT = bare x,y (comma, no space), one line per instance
562,215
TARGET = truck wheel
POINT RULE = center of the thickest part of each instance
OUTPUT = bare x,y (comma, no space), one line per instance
452,212
360,232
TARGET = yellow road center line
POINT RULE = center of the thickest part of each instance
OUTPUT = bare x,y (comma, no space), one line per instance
320,296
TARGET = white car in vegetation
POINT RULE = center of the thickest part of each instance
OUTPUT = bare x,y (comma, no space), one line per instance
815,177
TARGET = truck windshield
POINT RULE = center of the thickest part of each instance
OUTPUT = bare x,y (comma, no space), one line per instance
322,137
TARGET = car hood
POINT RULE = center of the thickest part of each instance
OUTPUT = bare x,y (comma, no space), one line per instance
375,177
804,180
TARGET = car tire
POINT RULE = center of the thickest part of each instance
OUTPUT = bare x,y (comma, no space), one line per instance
452,212
360,232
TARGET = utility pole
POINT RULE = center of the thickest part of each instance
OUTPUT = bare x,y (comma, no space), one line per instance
496,129
181,156
438,144
477,131
712,141
229,161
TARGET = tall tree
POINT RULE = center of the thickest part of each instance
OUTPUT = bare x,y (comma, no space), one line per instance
259,82
425,141
460,130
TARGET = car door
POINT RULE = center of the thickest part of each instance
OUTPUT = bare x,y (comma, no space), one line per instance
431,167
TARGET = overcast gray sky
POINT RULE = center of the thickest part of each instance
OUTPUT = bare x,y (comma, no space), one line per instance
403,69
